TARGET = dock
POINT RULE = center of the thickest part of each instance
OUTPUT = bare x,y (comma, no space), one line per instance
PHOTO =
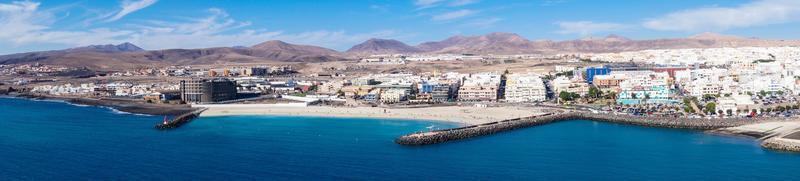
180,120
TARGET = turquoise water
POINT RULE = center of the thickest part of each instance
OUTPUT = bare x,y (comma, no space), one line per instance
56,141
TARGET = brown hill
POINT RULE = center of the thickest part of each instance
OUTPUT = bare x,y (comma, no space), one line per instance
381,46
508,43
127,55
493,43
282,51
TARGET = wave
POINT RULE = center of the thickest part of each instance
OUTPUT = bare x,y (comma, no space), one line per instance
113,110
117,111
73,104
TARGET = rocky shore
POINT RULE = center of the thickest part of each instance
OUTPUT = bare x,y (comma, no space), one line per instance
782,144
440,136
129,106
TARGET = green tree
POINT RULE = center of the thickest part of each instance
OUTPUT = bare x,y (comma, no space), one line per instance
568,96
564,96
594,92
611,95
710,107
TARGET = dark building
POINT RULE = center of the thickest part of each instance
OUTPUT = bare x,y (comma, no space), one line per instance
256,71
443,92
207,90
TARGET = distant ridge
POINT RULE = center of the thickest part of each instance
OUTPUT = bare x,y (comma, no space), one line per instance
128,55
497,43
509,43
381,46
109,48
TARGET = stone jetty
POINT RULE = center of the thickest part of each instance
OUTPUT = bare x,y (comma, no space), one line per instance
788,142
441,136
782,144
180,120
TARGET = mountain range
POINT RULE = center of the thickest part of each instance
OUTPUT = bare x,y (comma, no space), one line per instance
127,55
509,43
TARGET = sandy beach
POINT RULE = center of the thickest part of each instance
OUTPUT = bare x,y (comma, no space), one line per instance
765,129
458,114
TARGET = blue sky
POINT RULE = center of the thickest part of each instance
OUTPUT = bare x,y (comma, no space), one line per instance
159,24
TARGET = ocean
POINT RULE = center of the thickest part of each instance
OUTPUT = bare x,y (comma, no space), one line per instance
46,140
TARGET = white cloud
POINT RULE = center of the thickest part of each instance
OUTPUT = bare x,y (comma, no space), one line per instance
462,2
453,15
21,17
552,2
129,6
379,8
424,4
27,26
484,23
212,31
585,28
756,13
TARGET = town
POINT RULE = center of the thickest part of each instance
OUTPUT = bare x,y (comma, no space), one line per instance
708,83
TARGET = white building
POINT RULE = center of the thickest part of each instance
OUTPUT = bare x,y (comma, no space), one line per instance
393,95
525,88
564,84
479,87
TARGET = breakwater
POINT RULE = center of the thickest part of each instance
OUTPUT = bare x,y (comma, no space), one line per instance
782,144
786,142
441,136
180,120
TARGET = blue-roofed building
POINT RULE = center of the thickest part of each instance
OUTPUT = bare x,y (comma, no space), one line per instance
426,87
592,71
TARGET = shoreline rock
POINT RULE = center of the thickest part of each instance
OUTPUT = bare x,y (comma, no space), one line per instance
781,144
128,106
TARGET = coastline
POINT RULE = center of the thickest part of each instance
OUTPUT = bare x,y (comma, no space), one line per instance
774,133
124,106
454,114
782,144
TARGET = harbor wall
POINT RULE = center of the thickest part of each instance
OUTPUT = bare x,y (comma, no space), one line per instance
781,144
180,120
440,136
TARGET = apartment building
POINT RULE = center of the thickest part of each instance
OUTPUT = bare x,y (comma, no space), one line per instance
525,88
564,84
479,87
207,90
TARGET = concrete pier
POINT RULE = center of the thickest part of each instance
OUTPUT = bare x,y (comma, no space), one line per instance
441,136
180,120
